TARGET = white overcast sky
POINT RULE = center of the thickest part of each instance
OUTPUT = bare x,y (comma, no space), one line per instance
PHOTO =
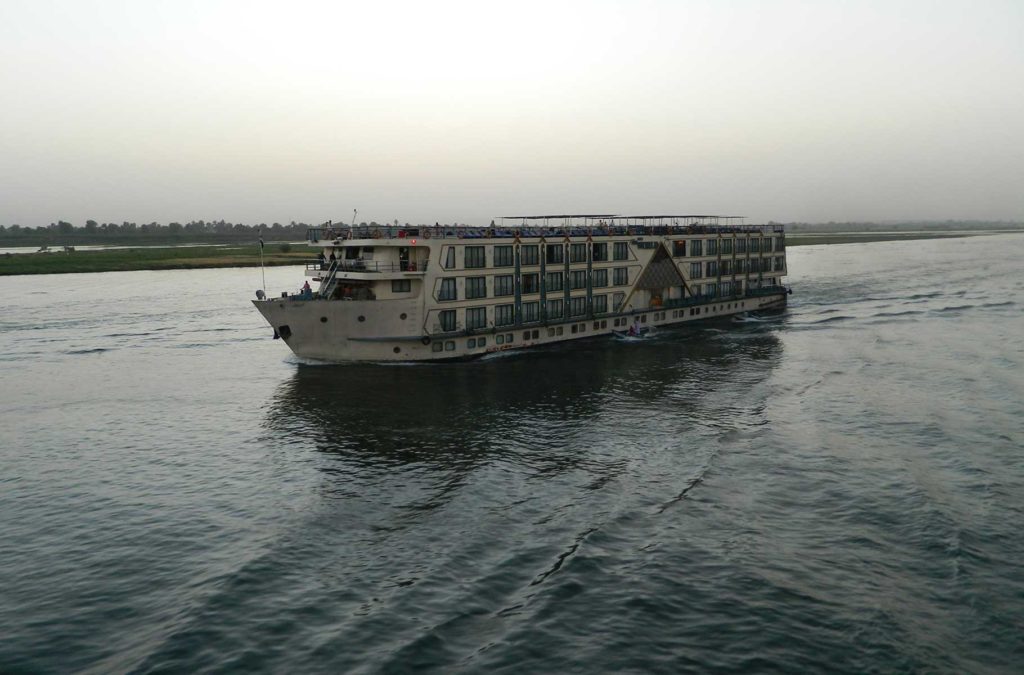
462,111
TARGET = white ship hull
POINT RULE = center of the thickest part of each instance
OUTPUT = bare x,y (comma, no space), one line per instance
429,294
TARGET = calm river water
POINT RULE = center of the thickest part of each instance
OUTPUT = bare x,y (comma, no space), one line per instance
837,488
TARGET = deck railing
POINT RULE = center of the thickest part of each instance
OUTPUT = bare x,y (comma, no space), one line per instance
372,266
342,232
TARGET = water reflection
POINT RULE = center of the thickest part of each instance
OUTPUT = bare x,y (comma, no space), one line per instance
544,408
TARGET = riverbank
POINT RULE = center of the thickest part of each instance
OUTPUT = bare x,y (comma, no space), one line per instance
200,257
170,258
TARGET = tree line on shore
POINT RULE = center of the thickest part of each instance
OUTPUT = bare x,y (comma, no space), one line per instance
213,231
220,231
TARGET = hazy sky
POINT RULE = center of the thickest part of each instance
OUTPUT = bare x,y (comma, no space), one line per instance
461,111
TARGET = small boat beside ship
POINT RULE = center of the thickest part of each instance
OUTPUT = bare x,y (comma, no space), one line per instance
441,292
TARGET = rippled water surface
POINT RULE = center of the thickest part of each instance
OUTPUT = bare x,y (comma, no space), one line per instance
839,487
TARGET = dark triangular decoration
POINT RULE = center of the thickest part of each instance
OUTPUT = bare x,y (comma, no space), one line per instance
660,273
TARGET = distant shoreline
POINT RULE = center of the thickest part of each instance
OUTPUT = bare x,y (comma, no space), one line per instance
275,255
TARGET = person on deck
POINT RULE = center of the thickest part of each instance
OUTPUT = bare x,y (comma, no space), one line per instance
307,292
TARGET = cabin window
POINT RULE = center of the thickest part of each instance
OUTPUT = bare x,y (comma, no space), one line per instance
476,318
755,265
578,253
401,285
695,269
555,309
476,287
696,246
621,250
531,312
755,245
555,253
504,315
447,318
503,256
600,304
578,279
599,252
617,300
620,276
447,290
712,247
679,248
780,243
726,246
712,268
553,281
531,283
741,245
577,306
779,263
503,285
476,257
726,267
351,253
529,254
449,258
599,278
767,244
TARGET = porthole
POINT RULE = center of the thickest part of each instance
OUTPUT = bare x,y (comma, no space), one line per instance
323,319
397,350
449,346
403,316
438,347
362,318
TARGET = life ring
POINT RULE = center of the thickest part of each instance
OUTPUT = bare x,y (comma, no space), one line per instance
425,234
376,233
425,340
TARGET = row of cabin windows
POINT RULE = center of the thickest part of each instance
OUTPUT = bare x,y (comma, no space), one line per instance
504,284
701,247
504,315
753,266
475,257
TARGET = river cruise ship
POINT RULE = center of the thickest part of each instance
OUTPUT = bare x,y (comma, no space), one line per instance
438,292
